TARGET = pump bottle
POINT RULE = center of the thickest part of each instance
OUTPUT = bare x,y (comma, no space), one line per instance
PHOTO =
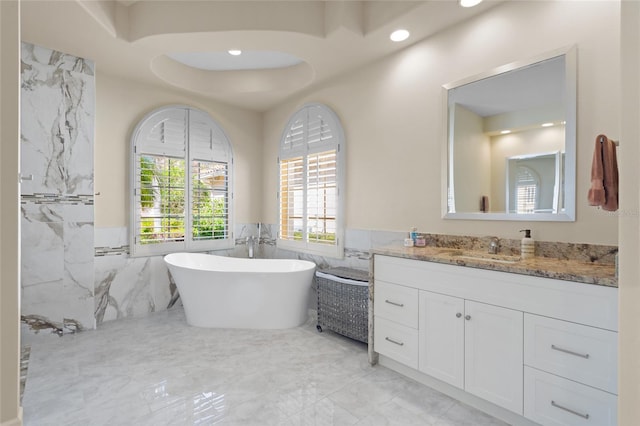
527,245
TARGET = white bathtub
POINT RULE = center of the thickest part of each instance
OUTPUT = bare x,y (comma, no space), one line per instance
228,292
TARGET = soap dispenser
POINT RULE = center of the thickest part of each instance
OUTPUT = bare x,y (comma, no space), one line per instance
527,246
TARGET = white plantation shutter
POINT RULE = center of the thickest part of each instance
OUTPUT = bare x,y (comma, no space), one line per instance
320,129
527,184
322,197
310,180
164,133
181,180
207,141
294,138
291,198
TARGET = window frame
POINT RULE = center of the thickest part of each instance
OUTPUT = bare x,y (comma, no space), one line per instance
190,244
306,151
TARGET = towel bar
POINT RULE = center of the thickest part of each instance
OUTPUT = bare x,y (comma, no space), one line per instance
616,143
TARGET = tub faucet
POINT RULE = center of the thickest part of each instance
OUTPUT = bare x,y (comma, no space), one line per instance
251,242
494,246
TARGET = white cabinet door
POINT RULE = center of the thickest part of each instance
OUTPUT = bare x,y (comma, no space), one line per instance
441,337
493,354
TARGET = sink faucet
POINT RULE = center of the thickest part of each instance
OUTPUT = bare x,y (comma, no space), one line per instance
251,242
494,245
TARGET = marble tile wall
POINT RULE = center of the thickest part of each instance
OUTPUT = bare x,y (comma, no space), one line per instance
126,286
134,287
57,225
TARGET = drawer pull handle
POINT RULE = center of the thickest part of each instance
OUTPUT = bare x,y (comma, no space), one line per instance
394,303
569,410
567,351
394,341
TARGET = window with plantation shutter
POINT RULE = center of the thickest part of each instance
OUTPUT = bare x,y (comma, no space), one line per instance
310,190
181,183
527,185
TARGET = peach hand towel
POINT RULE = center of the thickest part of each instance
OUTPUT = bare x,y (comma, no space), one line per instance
604,175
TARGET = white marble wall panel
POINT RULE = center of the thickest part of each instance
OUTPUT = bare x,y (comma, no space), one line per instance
126,287
130,287
160,283
79,267
43,307
112,237
42,256
57,122
57,244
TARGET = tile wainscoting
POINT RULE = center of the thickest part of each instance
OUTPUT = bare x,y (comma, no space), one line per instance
56,166
126,286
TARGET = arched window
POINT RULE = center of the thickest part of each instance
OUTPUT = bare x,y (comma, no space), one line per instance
181,175
311,188
527,190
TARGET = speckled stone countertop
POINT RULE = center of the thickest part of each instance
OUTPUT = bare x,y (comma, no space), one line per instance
547,267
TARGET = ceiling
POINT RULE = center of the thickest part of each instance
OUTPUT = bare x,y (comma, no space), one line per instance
132,39
537,85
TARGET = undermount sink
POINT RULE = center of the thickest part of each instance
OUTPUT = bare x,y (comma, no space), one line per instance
487,257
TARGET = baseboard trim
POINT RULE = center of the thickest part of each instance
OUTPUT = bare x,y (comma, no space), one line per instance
14,422
459,394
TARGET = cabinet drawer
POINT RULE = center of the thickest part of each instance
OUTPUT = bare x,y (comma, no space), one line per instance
585,354
553,401
396,341
396,303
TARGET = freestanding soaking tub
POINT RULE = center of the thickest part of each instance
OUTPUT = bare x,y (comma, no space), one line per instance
228,292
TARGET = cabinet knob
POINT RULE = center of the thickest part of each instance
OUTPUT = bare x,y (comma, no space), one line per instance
467,317
458,315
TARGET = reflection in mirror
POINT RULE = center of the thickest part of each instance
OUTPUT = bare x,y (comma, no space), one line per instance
533,183
511,142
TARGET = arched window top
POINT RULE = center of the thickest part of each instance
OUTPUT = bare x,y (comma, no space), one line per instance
168,130
313,128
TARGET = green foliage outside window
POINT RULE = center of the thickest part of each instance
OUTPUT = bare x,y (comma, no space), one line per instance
162,200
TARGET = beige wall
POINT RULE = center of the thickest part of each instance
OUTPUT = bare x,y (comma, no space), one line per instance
9,213
472,156
392,115
121,104
629,229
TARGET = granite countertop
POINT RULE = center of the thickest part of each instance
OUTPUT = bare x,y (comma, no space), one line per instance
546,267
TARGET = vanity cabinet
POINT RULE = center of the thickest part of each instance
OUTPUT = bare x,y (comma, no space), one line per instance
474,346
544,349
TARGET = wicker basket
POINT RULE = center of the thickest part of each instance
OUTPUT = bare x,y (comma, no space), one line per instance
343,301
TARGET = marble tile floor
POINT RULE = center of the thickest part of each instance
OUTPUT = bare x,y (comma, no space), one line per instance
157,370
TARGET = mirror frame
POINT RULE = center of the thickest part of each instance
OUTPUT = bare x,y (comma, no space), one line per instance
569,213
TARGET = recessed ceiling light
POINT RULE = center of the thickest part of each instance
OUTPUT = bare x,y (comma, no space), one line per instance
470,3
235,52
399,35
505,132
547,124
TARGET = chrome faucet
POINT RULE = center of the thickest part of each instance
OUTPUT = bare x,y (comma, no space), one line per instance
251,242
494,245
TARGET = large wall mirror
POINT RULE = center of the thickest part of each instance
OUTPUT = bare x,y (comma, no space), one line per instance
511,142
